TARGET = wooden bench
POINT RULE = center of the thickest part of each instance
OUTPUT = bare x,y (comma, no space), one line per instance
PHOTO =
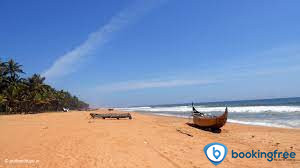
111,115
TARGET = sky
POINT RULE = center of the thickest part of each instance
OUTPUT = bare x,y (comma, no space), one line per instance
143,52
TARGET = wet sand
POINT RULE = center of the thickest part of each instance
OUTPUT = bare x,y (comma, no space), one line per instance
60,140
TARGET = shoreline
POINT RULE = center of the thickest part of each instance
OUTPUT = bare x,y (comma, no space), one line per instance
228,120
273,113
72,139
157,115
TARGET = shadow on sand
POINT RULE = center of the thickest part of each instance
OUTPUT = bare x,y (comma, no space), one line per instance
216,131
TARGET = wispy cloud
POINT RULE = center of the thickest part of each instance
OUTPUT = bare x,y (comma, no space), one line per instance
213,79
268,64
135,85
68,62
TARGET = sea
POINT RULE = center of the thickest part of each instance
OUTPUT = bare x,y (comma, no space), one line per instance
280,112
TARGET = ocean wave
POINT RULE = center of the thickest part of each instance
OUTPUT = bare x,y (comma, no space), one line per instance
282,124
238,109
258,123
146,107
271,116
172,115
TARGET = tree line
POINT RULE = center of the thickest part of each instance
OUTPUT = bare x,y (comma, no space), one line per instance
31,95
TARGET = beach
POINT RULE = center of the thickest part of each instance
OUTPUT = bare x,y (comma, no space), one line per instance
73,139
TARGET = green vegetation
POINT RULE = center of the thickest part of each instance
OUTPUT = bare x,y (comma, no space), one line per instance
31,95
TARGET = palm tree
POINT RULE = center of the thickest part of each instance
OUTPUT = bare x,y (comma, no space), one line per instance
12,97
2,76
31,94
2,67
36,92
12,69
36,82
2,103
2,86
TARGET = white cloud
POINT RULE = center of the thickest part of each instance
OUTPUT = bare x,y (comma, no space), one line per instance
134,85
68,62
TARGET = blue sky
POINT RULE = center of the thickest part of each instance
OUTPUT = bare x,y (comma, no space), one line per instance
122,53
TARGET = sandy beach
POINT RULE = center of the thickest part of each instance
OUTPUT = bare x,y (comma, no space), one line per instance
54,140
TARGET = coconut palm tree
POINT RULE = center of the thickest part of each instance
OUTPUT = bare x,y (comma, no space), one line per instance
12,97
2,103
31,94
36,90
12,70
2,76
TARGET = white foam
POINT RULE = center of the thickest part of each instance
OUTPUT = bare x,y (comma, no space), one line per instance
265,124
135,108
239,109
259,123
183,111
172,115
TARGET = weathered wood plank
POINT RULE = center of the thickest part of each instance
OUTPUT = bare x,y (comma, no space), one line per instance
111,115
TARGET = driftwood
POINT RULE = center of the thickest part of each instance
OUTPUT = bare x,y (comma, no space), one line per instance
180,131
111,115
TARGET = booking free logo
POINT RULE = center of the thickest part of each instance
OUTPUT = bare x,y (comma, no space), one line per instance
216,153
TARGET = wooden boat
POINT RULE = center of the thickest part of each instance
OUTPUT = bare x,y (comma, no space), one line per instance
208,121
111,115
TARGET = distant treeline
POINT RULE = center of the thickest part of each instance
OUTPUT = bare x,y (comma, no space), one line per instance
24,95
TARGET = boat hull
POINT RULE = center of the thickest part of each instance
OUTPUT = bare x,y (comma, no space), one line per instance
211,121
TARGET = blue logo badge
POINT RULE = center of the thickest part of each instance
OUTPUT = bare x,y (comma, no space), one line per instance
215,152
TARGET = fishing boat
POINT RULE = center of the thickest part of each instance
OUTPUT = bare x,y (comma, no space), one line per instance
111,115
209,121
